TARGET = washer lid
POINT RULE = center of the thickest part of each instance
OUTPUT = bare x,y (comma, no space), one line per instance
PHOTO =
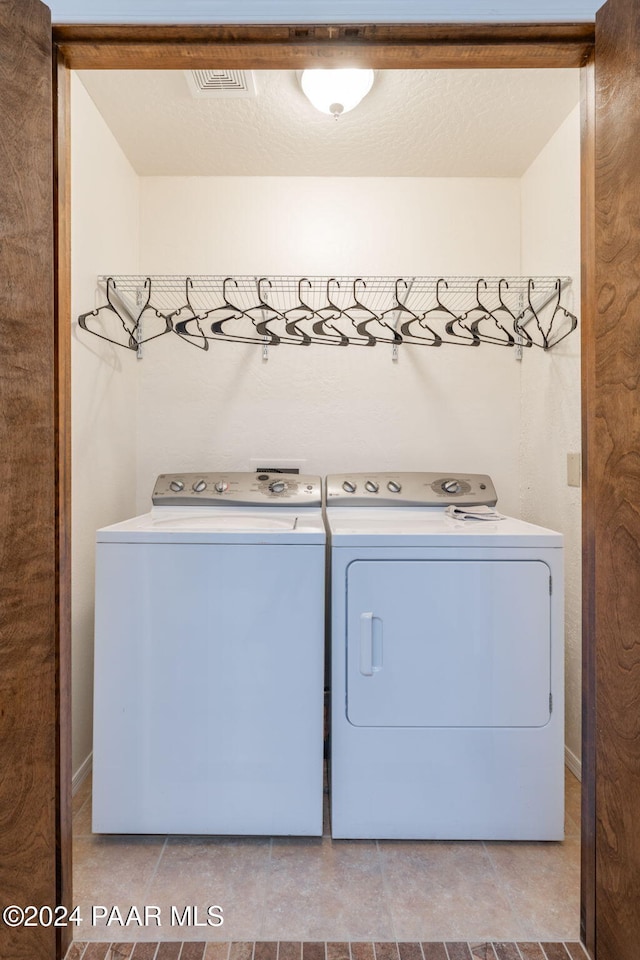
430,527
217,525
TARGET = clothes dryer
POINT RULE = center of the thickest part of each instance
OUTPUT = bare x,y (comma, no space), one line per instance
447,664
209,659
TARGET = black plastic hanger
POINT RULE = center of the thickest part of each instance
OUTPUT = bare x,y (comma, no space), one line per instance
432,339
132,343
323,325
508,340
180,328
362,326
232,312
560,312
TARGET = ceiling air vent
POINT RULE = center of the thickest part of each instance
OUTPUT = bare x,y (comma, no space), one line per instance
221,83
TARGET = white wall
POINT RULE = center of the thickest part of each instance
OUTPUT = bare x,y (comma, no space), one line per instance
550,405
451,408
104,237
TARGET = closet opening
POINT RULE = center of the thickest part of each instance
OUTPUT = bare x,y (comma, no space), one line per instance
236,199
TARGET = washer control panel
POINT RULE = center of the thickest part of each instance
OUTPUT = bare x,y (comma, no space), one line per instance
410,490
237,490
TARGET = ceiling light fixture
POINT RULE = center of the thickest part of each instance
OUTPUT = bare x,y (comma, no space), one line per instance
336,91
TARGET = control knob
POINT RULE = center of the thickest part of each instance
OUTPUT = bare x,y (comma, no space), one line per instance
450,486
221,486
394,486
278,486
177,485
349,486
199,486
372,486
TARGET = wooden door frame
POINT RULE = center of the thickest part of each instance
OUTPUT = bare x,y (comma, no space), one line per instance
297,46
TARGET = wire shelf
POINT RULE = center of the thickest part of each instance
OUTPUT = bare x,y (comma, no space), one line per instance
339,311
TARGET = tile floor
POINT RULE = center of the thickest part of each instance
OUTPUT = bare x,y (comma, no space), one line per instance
309,950
318,890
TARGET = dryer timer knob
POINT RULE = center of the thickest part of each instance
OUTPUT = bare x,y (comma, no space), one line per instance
349,486
176,486
450,486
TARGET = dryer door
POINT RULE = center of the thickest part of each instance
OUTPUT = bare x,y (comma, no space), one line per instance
448,643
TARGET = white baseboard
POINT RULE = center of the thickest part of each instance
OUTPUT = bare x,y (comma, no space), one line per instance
574,764
81,774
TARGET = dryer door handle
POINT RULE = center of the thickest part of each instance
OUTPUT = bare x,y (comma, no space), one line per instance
370,644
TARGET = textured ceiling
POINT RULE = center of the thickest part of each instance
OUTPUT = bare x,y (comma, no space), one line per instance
442,123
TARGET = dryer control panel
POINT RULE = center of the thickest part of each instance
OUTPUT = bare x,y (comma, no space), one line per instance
410,490
237,490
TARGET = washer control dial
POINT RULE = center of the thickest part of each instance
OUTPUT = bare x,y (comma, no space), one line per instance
278,486
230,488
349,486
372,486
394,486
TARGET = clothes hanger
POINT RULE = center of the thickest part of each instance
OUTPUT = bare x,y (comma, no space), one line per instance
451,327
434,340
180,328
262,326
323,325
362,326
268,337
365,337
525,339
131,343
566,315
157,314
400,306
488,314
439,309
308,313
233,313
520,320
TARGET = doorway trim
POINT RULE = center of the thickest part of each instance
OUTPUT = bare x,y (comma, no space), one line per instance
294,47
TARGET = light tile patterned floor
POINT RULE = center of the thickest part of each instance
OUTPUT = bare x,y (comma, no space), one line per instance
310,890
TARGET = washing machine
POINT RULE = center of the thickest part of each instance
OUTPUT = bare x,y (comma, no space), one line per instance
447,663
209,659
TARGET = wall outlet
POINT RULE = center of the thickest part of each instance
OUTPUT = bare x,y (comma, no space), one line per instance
574,469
